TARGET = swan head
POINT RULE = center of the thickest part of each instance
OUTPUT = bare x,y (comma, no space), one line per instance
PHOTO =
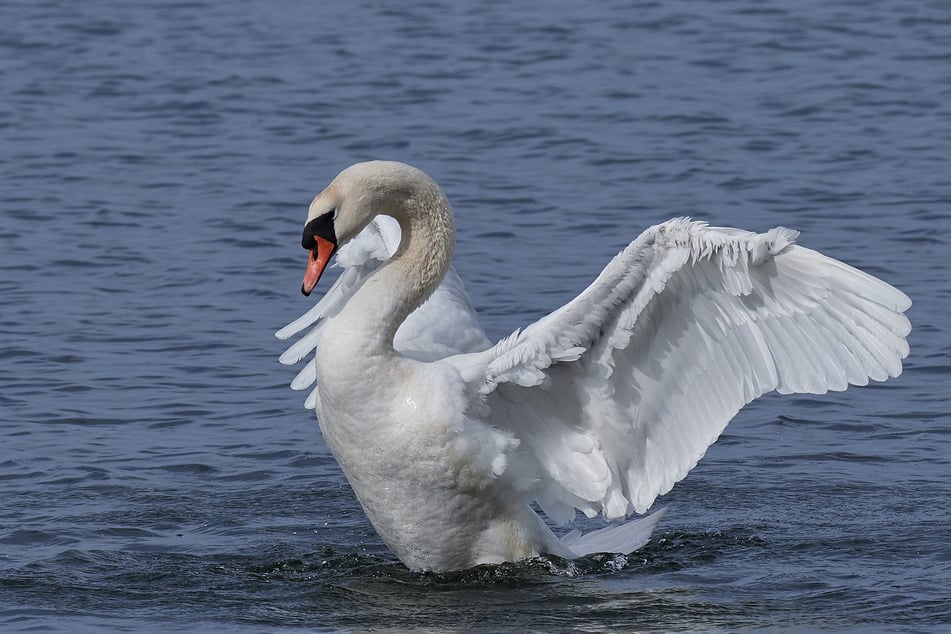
348,204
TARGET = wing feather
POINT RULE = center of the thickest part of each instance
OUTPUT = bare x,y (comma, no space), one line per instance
619,393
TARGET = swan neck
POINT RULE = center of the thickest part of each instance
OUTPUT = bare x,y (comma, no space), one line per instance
409,277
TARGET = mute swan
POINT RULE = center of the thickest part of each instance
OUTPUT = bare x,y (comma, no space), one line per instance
601,406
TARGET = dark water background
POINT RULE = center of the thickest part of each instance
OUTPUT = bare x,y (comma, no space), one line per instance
156,162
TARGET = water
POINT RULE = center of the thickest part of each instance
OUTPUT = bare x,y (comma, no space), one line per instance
156,161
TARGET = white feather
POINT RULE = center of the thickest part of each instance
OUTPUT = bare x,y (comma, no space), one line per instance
688,324
599,407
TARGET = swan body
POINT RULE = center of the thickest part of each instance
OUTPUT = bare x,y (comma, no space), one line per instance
603,405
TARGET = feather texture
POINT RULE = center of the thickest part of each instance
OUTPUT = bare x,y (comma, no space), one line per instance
619,393
600,406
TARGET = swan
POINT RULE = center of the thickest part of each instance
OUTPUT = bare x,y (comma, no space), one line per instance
447,439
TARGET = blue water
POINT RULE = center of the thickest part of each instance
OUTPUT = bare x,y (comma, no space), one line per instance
156,162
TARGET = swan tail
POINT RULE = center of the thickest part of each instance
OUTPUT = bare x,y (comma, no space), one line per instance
623,539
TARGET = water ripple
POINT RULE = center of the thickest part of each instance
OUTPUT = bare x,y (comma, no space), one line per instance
157,161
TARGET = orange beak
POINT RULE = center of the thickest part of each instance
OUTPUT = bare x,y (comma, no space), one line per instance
320,255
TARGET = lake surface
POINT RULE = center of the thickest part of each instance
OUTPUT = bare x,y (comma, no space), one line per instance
156,163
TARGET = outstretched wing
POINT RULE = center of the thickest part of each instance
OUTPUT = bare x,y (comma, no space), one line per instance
619,393
446,324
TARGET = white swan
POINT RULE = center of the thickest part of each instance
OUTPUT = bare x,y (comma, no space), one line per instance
600,406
